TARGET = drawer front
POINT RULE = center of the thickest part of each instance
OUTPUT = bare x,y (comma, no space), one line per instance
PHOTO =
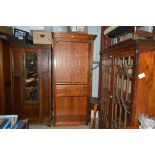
71,90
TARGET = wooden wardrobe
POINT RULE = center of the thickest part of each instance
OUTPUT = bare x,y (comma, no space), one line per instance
72,77
5,78
31,82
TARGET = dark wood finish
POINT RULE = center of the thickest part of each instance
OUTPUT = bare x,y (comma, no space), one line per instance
72,77
2,104
104,42
5,79
36,111
144,34
102,47
125,96
17,79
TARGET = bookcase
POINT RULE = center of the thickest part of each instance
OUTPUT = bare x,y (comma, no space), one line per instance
127,83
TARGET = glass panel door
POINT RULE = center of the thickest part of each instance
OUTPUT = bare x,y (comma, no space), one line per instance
31,77
122,94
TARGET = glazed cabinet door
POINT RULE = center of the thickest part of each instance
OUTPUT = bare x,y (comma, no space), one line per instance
117,90
122,101
106,92
25,82
31,83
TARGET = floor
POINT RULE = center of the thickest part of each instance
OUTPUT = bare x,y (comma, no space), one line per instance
67,127
47,127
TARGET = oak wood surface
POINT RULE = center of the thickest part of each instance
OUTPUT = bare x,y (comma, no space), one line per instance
72,77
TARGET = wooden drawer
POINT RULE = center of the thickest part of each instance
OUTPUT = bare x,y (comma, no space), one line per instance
71,90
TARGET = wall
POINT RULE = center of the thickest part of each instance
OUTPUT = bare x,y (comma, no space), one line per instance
97,31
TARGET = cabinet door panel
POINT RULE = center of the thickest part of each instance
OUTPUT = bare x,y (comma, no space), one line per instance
63,106
7,78
71,109
79,105
44,55
62,53
106,92
71,62
122,94
79,62
17,80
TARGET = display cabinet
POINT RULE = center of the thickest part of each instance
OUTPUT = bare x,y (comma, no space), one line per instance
127,83
31,83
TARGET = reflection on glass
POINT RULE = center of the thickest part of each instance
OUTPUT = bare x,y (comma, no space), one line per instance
31,76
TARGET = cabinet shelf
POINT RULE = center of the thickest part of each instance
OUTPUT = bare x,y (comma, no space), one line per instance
115,34
119,31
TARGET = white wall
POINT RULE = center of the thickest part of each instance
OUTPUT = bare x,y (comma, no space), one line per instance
97,31
91,30
29,28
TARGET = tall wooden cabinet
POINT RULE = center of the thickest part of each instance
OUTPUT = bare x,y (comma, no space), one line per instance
128,83
31,83
72,77
5,79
